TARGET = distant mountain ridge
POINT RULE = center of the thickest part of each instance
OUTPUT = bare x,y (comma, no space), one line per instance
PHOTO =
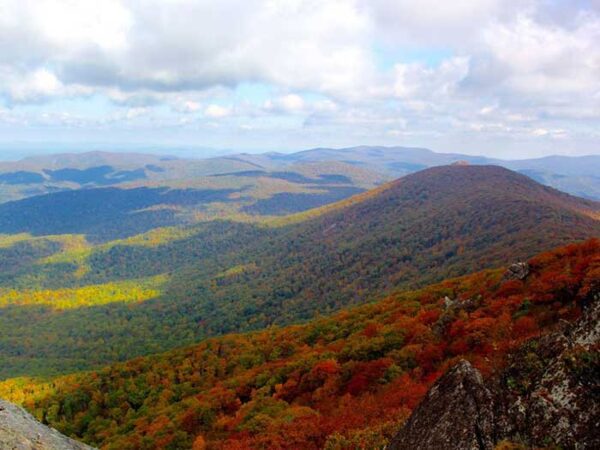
36,175
577,175
162,191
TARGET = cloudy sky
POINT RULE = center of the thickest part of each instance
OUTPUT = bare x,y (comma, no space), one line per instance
495,77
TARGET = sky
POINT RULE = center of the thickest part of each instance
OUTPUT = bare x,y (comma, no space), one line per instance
502,78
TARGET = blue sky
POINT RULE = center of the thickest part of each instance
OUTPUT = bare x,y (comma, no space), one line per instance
501,78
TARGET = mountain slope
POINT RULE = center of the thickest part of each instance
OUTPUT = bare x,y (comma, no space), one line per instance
437,223
452,212
348,381
226,276
102,214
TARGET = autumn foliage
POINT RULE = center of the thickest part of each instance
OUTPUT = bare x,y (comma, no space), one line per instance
342,382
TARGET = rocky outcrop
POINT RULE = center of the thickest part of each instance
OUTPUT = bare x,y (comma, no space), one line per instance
550,392
517,271
548,396
20,431
456,413
451,309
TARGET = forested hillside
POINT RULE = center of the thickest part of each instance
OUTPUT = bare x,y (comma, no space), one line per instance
348,381
221,277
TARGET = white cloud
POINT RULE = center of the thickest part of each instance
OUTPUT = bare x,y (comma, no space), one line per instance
290,103
395,68
74,23
216,111
39,84
546,59
187,106
35,86
552,133
181,45
133,99
418,81
439,23
133,113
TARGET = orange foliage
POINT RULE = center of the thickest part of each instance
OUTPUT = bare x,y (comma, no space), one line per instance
199,443
295,387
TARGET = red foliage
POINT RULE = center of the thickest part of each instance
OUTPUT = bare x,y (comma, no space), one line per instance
430,356
354,371
428,317
510,287
371,330
525,327
366,374
325,368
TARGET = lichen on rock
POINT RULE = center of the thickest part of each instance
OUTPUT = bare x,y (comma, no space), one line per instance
456,413
548,396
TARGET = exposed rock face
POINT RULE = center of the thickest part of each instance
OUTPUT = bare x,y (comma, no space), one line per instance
456,413
452,308
517,271
548,396
550,393
20,431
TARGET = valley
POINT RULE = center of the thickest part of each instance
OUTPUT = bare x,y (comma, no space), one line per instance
334,295
227,276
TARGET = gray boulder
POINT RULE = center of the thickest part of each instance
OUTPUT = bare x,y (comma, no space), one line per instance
20,431
517,271
455,413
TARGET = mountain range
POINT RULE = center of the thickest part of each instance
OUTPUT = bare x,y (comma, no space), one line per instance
264,176
577,175
305,300
174,286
